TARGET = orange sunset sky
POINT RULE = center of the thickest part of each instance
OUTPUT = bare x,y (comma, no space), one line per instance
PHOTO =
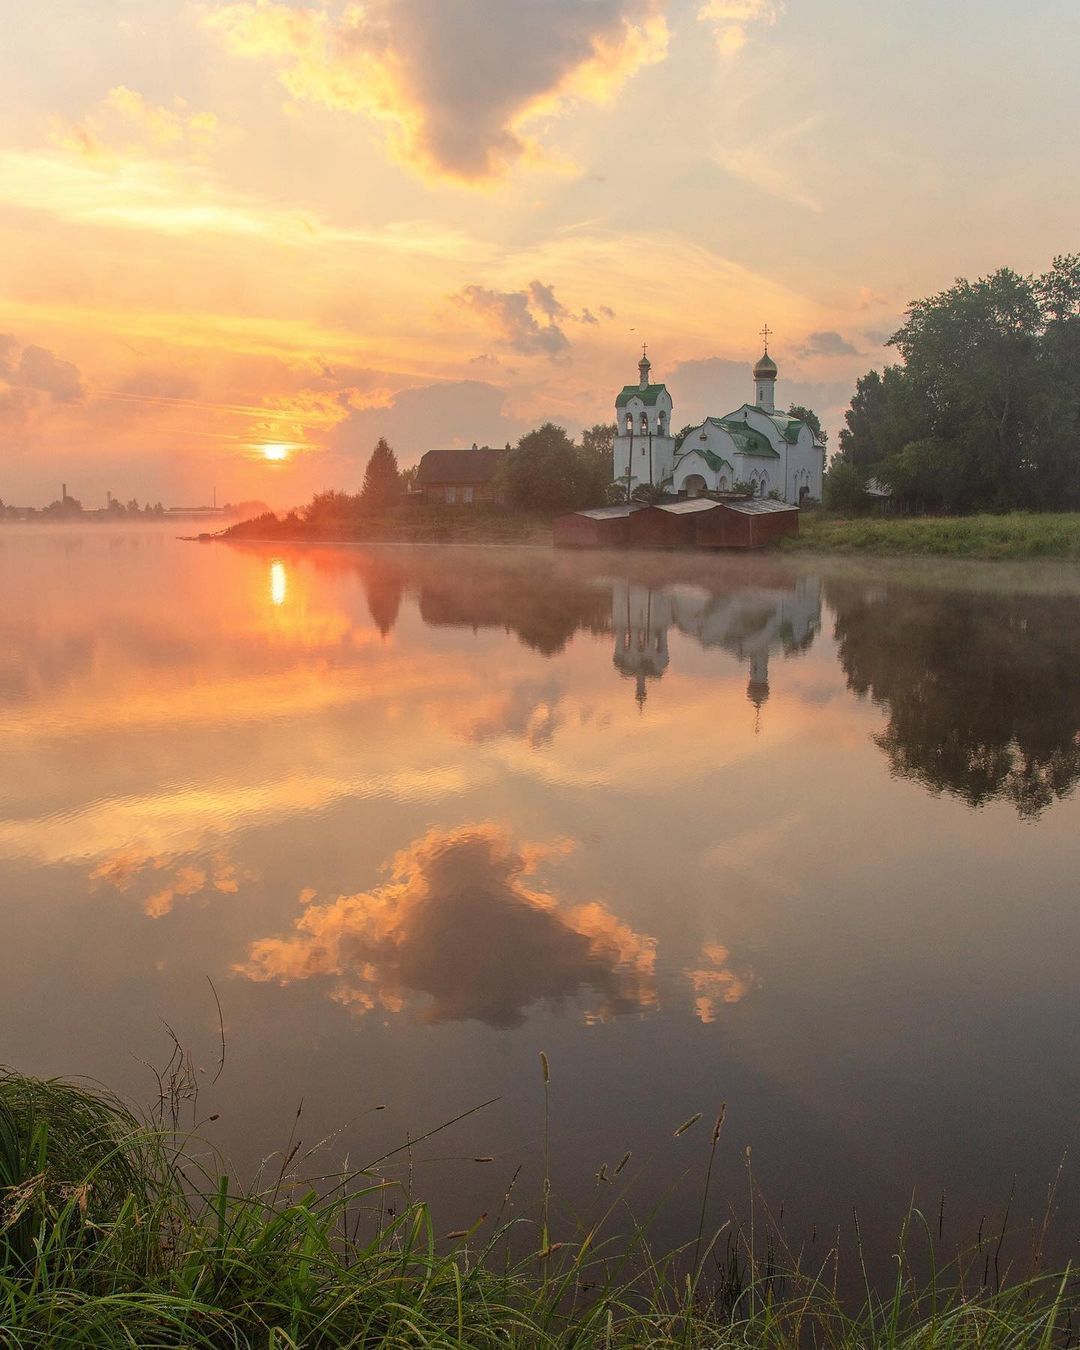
232,225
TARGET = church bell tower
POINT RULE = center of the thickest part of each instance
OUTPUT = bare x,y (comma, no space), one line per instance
644,444
765,373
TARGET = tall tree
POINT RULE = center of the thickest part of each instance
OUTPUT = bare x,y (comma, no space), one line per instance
543,472
597,456
382,482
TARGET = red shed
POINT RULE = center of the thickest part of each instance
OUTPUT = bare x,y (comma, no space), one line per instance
670,524
750,522
601,527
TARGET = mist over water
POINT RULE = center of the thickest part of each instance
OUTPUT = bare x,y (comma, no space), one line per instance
702,830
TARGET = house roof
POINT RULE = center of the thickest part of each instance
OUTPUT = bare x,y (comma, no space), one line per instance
478,465
648,395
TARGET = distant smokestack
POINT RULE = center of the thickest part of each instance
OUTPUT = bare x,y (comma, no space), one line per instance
63,492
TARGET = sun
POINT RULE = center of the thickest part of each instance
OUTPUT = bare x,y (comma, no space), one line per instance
275,451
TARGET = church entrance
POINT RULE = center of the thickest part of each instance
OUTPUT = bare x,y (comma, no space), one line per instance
695,485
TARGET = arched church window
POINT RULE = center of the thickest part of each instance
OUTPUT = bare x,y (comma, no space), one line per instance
660,421
723,482
629,424
644,423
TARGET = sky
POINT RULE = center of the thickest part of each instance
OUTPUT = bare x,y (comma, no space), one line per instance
240,240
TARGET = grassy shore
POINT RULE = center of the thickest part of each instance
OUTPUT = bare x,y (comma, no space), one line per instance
421,524
112,1233
1019,535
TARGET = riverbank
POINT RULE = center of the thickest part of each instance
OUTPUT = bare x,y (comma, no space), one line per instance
1019,535
419,524
114,1232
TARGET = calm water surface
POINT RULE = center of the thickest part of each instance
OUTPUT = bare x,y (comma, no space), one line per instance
703,831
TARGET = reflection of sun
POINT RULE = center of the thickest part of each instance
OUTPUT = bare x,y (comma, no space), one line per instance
275,450
279,582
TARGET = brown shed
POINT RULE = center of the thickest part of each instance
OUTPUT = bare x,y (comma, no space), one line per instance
750,522
670,524
460,477
599,527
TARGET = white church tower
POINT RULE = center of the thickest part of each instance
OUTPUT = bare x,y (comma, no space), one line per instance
765,373
644,443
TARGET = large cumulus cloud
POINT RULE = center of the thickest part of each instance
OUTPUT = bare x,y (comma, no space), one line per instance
457,84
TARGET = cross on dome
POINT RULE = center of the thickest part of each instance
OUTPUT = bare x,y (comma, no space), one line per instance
767,333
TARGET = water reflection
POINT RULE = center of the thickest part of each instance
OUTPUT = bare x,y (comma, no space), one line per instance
279,582
982,691
459,930
750,622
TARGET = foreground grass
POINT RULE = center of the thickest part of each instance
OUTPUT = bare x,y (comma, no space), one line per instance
111,1235
1017,536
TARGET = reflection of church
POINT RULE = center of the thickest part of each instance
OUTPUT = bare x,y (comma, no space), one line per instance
750,623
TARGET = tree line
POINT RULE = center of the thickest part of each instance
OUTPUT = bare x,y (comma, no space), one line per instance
984,411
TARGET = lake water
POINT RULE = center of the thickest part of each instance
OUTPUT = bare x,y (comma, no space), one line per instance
704,831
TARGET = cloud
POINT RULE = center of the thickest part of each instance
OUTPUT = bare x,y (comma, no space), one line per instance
731,20
457,930
35,370
509,316
456,412
458,87
827,343
126,122
714,982
127,867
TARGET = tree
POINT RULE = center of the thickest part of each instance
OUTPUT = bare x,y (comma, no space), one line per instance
382,482
330,509
408,477
985,410
544,472
845,490
812,420
597,456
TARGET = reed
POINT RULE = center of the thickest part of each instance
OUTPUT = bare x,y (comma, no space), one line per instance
113,1233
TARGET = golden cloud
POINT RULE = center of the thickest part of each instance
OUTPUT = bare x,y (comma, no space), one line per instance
457,926
125,868
714,982
458,86
732,19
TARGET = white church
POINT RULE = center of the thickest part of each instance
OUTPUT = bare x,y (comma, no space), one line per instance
755,444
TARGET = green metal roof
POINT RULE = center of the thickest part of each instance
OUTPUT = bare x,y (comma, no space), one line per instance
747,440
648,395
712,459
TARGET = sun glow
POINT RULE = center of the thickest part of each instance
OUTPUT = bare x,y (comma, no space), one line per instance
279,582
276,451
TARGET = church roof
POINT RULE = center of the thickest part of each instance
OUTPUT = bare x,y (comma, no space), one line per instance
748,440
766,368
648,395
788,427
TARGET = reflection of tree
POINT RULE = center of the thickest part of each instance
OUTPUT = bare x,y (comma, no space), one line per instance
543,607
981,691
458,925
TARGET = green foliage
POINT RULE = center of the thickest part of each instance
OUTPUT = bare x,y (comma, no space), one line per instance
596,459
329,509
845,490
811,419
382,482
648,493
547,472
985,410
134,1245
1016,535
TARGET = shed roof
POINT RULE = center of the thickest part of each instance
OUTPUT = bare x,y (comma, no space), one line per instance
688,507
478,465
619,509
757,506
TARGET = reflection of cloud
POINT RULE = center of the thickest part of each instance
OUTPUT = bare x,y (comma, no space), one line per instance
123,869
457,923
529,710
714,982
